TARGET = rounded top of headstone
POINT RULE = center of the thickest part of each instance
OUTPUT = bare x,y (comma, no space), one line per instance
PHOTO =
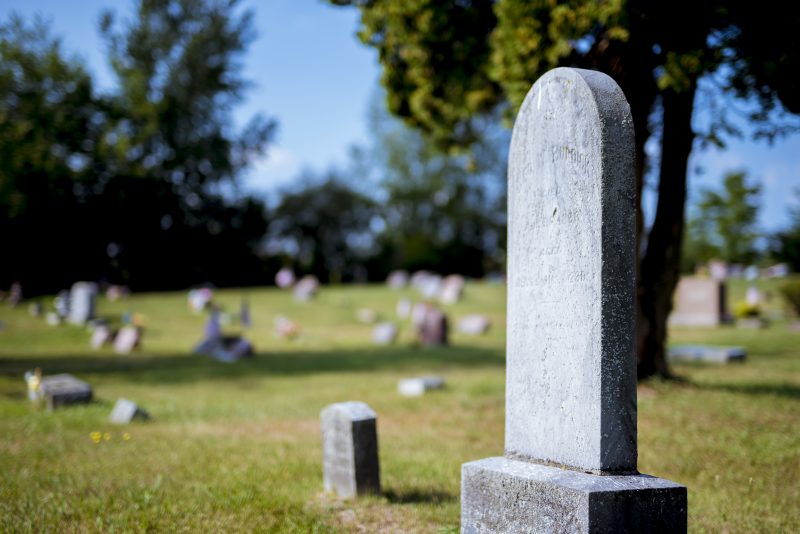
353,410
600,94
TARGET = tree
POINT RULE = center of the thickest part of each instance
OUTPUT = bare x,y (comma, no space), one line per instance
440,209
785,244
171,146
50,125
325,226
724,226
445,62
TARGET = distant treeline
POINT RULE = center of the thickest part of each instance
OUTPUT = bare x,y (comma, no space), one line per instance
140,185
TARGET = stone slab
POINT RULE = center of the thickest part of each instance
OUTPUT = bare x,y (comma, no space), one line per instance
414,387
63,390
707,353
350,449
125,411
500,495
570,369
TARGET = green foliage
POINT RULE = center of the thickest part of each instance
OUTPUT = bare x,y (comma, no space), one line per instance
326,227
785,244
178,64
791,293
436,61
724,225
656,51
533,37
442,211
50,125
102,185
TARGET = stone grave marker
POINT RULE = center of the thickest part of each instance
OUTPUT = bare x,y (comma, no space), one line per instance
431,324
284,278
350,449
452,289
82,299
306,288
707,353
384,333
226,349
570,462
415,387
127,339
397,279
698,302
125,411
63,390
102,335
474,325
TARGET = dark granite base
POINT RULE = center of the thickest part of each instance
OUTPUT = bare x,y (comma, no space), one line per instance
502,495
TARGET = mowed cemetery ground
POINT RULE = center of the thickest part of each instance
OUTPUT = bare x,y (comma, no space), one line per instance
236,447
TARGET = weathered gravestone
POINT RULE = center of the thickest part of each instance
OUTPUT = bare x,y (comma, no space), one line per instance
350,449
431,325
125,411
63,390
128,338
82,299
570,440
698,302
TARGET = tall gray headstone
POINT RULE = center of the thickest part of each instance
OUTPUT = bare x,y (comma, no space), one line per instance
350,449
570,452
82,299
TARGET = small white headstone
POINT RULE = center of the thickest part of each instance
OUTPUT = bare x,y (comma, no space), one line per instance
125,411
100,336
474,324
127,339
414,387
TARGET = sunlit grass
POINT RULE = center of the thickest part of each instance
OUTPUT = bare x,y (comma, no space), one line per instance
236,447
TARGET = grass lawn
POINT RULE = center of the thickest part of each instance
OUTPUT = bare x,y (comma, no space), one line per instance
236,447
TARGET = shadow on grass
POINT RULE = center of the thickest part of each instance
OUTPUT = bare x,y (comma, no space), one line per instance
783,389
187,368
415,496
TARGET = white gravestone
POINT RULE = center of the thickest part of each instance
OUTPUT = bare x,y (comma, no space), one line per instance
570,440
125,411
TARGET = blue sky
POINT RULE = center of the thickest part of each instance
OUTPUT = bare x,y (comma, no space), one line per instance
313,76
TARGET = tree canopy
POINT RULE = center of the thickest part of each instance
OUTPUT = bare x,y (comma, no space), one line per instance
724,223
446,62
137,185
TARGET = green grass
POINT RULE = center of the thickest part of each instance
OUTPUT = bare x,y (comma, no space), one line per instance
236,447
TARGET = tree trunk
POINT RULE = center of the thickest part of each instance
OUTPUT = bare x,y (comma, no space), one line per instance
660,267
